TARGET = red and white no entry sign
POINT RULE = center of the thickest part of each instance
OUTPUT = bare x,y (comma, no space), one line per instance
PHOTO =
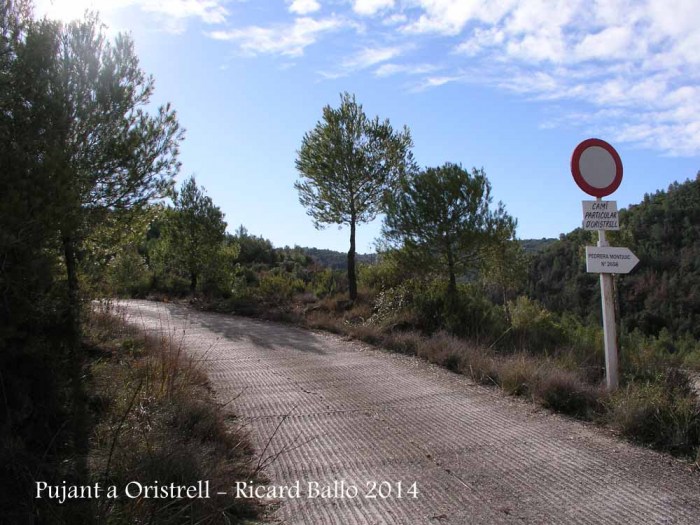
596,167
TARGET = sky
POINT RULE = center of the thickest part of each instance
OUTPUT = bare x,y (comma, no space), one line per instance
510,86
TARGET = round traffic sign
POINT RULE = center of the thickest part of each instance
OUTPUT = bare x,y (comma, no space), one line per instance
596,167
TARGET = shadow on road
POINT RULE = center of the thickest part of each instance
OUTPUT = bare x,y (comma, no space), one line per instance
271,336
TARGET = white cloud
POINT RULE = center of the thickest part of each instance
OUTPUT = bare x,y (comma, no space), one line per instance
449,17
363,59
303,7
209,11
437,81
171,14
611,43
395,19
371,7
283,39
481,39
387,70
371,56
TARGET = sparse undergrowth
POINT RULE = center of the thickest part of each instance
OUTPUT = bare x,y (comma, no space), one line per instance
157,423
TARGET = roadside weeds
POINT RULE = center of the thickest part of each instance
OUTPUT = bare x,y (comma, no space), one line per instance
158,423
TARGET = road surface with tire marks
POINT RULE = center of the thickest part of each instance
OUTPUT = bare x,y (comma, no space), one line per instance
324,411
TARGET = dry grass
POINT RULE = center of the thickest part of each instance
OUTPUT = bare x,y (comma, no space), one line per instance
158,422
664,415
519,374
404,342
565,392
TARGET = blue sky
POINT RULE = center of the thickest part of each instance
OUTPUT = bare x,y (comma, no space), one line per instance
510,86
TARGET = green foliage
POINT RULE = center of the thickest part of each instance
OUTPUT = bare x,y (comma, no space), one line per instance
221,273
80,156
426,306
558,277
390,303
127,274
327,282
193,232
662,292
533,246
277,289
389,271
534,328
346,165
254,249
443,219
505,268
338,260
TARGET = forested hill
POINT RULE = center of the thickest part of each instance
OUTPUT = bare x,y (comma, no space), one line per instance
536,245
337,260
662,292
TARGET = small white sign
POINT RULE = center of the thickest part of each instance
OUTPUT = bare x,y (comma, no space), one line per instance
609,259
600,215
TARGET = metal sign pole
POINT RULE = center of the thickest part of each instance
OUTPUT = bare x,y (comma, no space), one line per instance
597,170
609,327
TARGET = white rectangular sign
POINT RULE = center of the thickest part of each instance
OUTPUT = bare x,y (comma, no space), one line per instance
609,259
600,215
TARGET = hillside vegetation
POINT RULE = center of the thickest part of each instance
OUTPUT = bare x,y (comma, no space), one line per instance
662,294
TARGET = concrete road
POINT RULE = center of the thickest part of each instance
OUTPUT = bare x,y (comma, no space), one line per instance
411,442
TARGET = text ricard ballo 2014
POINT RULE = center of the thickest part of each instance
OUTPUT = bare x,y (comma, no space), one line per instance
336,489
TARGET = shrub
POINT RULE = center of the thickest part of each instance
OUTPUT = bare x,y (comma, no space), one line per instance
127,274
459,356
388,272
328,282
583,347
565,392
692,361
365,332
647,358
389,303
404,342
278,289
474,316
534,328
518,375
470,314
323,320
663,414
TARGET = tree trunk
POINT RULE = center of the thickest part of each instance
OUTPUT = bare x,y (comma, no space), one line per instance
352,278
452,286
73,312
193,281
75,359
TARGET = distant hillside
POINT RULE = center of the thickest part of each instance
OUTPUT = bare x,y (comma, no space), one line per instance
662,292
337,260
532,246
